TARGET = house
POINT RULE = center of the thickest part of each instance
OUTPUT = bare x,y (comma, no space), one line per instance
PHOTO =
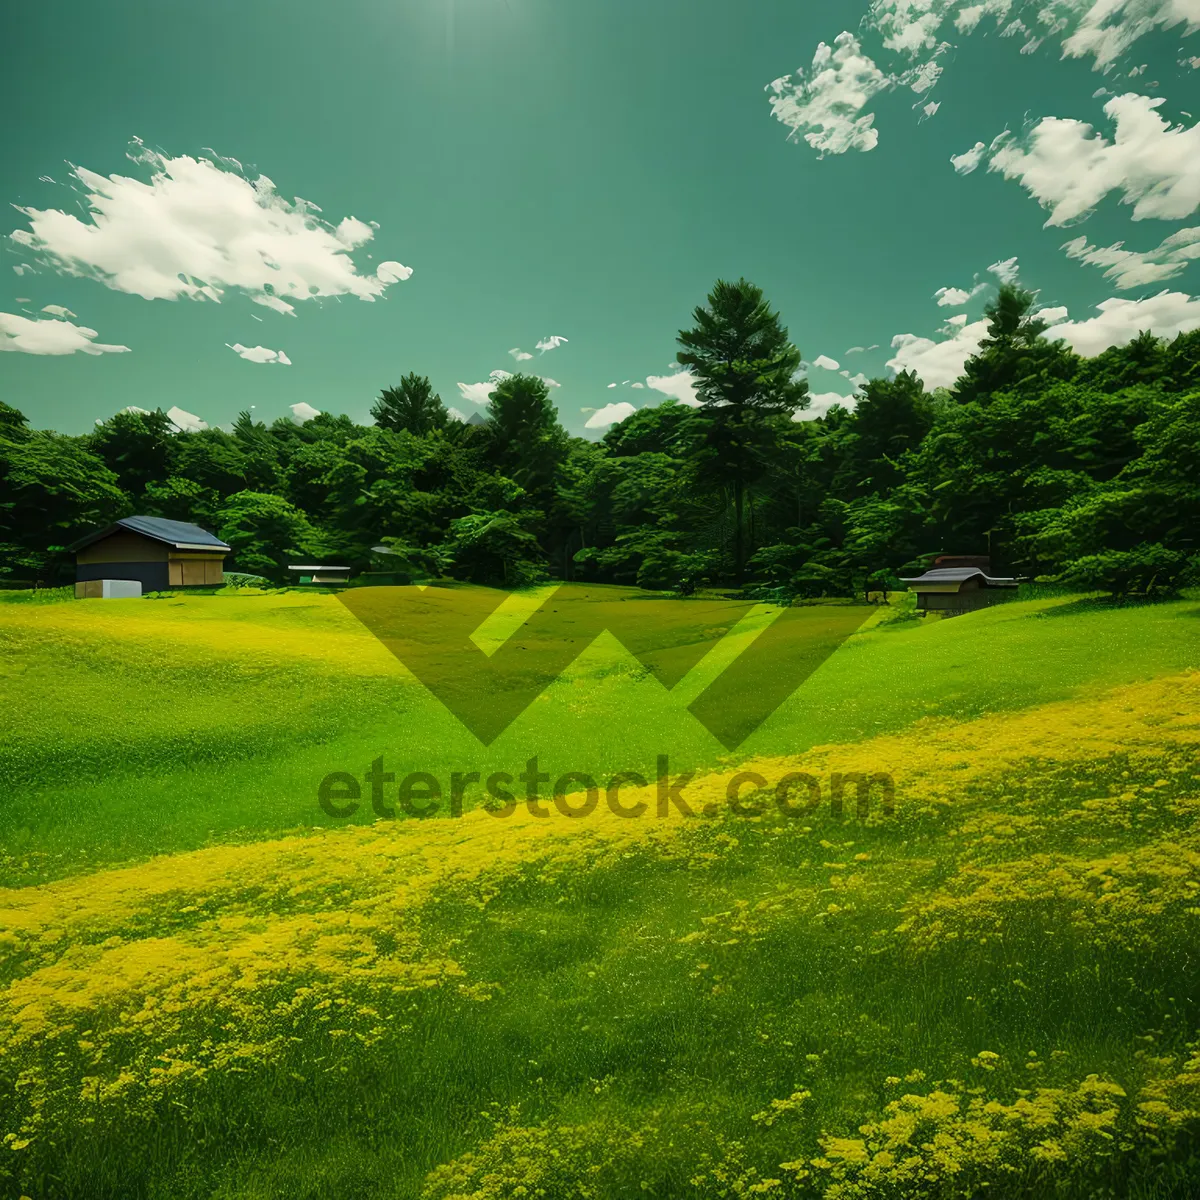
960,583
323,576
156,553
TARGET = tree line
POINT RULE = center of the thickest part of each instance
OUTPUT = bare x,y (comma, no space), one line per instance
1085,471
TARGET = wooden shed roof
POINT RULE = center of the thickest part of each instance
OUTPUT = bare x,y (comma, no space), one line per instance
180,535
951,579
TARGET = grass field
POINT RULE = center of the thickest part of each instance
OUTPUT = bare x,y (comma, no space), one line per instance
213,988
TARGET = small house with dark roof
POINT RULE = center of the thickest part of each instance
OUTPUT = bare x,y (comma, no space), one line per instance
958,584
157,553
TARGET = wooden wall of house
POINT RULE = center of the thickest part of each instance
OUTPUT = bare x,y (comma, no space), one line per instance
196,570
123,547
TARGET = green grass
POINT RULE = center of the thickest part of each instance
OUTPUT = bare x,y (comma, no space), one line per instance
634,1000
185,725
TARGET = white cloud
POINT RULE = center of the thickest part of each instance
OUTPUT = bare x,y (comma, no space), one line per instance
951,297
199,228
392,272
550,383
938,363
968,160
1101,29
26,336
550,343
1119,321
1053,315
931,107
260,354
612,385
824,361
681,386
134,408
859,380
57,310
1069,168
455,415
637,386
185,422
520,355
1110,27
1129,268
1005,270
24,269
304,412
480,393
824,102
820,403
862,349
610,414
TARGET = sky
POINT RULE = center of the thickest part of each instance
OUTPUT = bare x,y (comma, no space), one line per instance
284,207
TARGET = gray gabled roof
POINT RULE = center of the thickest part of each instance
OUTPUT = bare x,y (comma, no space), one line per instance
959,575
181,535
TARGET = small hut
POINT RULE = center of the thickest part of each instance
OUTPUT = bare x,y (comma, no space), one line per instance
322,576
960,583
153,552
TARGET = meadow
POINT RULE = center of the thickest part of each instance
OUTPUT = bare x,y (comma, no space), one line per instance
212,988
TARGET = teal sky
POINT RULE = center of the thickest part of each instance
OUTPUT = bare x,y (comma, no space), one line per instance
584,169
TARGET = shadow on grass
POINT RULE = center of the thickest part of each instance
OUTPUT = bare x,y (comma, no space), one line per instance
1088,604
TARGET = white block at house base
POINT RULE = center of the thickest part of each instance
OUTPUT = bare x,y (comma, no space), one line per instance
109,589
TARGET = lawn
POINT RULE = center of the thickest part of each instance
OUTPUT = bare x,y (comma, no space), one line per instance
215,988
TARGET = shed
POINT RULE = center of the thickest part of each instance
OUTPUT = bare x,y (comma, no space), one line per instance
326,576
157,553
958,589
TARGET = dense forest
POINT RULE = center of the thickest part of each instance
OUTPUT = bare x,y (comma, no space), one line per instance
1086,471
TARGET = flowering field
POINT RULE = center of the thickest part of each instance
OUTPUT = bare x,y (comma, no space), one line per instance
210,988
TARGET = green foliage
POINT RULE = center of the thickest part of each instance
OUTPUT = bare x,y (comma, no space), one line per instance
1149,570
413,405
1037,457
267,534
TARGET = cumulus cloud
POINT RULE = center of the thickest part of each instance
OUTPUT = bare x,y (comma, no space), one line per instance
37,336
824,361
1005,270
304,412
480,393
550,383
820,403
824,103
185,422
198,229
1068,167
1129,268
392,272
260,354
1103,30
951,297
938,363
968,160
1120,321
551,343
680,386
520,355
610,414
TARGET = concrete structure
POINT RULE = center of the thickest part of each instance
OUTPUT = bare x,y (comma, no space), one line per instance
323,576
108,589
155,553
